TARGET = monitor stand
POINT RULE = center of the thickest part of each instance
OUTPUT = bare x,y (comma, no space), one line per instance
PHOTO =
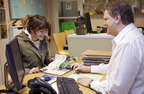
10,87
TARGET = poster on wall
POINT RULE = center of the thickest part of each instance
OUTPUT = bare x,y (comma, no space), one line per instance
2,16
3,31
22,8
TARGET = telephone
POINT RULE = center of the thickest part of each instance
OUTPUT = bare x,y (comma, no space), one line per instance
39,86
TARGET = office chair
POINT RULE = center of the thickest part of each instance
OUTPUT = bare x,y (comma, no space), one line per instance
68,32
59,39
142,29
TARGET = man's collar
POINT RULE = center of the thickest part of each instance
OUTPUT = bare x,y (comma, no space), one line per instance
122,33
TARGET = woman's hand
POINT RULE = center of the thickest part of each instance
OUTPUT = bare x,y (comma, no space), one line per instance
34,70
52,59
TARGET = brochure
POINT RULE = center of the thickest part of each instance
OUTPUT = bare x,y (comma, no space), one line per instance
62,62
61,65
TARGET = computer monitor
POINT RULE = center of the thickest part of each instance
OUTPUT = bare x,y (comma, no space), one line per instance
88,22
14,66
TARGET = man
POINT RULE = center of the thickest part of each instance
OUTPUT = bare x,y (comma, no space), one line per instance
125,71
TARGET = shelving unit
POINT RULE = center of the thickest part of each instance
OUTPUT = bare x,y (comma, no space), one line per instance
66,11
95,6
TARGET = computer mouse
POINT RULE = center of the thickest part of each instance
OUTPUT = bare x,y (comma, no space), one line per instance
45,78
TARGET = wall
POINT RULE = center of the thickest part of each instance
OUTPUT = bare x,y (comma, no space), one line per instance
2,47
2,57
139,19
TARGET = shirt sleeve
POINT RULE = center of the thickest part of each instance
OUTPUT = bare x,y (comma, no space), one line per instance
102,69
122,71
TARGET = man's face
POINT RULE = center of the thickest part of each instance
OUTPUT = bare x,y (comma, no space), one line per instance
109,22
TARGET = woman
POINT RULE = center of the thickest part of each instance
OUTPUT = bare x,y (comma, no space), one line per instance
34,43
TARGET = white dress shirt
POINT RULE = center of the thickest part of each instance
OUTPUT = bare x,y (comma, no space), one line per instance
125,71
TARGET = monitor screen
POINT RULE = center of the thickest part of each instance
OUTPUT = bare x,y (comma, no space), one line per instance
15,65
88,22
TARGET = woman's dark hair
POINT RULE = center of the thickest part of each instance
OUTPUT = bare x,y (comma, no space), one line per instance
35,23
123,9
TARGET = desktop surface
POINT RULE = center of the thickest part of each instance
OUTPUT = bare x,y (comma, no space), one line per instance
25,90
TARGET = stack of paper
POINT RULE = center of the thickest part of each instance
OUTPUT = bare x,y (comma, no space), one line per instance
91,57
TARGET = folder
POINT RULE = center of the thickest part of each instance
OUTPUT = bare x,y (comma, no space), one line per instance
97,53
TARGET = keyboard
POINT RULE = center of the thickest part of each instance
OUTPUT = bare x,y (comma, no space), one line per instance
68,86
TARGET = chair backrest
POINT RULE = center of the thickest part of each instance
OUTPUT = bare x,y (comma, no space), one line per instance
68,32
59,39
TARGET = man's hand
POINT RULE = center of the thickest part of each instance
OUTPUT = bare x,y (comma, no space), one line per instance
82,68
85,81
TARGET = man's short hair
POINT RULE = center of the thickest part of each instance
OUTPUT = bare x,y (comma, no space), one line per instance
123,9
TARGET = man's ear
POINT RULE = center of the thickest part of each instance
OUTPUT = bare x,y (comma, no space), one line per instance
118,19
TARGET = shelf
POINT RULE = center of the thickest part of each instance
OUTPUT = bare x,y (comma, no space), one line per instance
67,17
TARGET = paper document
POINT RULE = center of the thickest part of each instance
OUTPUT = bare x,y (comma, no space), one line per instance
93,76
58,60
54,86
57,71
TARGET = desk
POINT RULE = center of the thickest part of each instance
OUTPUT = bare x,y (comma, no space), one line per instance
25,90
79,43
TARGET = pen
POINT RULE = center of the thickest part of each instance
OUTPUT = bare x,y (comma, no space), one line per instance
80,65
43,70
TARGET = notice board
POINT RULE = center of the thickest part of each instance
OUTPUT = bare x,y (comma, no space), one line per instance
22,8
